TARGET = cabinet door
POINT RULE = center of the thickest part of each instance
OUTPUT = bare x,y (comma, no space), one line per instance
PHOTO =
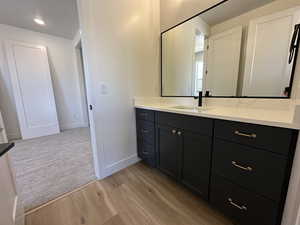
169,150
196,162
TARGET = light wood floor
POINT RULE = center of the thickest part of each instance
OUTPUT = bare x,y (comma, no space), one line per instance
137,195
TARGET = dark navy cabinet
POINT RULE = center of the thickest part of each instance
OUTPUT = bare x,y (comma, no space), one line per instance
169,151
184,149
146,136
242,169
196,162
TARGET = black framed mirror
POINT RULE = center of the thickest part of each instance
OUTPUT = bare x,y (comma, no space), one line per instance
235,49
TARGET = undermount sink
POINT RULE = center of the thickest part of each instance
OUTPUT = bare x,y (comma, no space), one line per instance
189,108
184,107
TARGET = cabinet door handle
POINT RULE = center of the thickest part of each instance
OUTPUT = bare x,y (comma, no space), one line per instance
179,133
145,153
174,131
244,134
248,168
144,131
236,205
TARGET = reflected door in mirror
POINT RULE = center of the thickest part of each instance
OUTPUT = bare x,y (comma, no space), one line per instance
223,63
236,49
267,71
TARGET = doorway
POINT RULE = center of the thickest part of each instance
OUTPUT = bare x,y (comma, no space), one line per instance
82,81
52,164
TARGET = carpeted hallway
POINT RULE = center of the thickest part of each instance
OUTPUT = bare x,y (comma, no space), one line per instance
50,166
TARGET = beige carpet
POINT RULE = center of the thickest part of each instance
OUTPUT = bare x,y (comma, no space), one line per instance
50,166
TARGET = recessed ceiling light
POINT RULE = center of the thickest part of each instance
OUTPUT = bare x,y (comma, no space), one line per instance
39,21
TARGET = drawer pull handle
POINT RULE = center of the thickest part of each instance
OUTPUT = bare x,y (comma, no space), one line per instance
144,131
174,131
236,205
241,167
245,135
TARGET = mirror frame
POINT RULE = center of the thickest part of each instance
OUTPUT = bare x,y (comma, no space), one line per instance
204,11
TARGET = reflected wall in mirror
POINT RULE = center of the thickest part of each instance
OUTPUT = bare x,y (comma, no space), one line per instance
236,49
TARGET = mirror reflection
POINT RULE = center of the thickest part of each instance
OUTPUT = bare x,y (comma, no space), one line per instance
239,48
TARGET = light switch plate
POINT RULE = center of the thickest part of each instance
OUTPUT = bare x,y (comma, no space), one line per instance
104,89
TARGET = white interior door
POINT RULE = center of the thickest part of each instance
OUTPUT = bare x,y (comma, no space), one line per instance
267,54
32,87
223,62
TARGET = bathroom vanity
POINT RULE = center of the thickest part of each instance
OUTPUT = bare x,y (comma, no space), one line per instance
238,159
240,168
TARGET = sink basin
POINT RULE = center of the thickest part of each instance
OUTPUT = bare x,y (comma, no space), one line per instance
188,108
184,107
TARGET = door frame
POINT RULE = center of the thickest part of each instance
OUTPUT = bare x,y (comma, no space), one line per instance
87,79
82,83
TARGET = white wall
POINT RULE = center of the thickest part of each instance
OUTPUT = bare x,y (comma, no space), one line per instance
173,12
121,48
64,75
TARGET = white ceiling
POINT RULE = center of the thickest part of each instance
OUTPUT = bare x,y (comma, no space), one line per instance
60,16
231,9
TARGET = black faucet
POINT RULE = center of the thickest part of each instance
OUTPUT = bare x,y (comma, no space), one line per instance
199,99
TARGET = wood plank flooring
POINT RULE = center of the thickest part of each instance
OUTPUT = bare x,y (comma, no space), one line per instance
137,195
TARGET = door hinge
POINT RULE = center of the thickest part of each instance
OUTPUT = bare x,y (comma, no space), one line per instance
207,47
91,107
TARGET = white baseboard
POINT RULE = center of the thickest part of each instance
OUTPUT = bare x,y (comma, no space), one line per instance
68,126
13,136
18,212
122,164
14,215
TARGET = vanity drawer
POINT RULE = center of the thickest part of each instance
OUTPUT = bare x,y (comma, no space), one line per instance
144,114
169,119
146,132
273,139
190,123
242,206
147,153
256,170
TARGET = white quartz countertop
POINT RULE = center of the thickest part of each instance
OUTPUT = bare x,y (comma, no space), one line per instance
268,117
